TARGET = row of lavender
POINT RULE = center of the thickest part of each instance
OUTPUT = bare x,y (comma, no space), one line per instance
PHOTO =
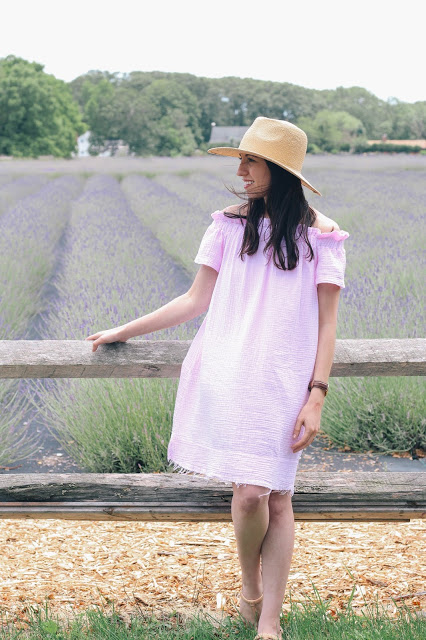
113,270
13,190
29,234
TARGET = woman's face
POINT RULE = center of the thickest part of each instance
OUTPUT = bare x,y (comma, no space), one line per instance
255,174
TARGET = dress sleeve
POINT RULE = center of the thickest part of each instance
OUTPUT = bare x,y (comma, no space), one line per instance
211,247
331,257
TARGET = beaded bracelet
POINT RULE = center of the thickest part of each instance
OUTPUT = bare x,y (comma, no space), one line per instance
319,384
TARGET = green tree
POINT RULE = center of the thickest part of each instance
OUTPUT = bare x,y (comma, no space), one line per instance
38,115
147,111
138,126
175,107
408,121
81,87
104,113
333,130
363,105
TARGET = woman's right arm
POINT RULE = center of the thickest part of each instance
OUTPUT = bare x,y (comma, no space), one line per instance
182,309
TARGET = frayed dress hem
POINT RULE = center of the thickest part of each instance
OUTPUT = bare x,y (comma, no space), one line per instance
177,468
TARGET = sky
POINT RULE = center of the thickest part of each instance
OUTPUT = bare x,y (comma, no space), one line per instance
321,44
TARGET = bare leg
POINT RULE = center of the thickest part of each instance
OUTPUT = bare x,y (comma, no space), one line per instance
250,515
277,551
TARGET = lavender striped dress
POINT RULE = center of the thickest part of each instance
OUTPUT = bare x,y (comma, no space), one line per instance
245,377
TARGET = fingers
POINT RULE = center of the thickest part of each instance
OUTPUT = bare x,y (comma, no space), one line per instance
96,337
297,427
308,436
303,443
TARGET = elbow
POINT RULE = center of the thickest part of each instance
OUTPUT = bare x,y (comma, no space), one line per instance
203,308
198,305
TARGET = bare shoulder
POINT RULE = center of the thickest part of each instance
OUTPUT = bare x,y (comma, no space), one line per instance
324,224
236,208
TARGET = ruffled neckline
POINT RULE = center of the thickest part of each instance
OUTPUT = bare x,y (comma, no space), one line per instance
337,234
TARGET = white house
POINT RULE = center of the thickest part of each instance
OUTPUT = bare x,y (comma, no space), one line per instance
83,144
229,135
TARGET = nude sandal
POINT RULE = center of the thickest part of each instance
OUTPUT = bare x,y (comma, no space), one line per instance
267,636
252,603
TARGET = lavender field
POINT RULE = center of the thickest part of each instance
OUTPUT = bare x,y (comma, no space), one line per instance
90,244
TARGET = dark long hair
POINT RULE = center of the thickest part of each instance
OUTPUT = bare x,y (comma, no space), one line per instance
287,208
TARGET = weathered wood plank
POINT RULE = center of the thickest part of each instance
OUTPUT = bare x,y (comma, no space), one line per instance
75,359
365,496
45,512
163,358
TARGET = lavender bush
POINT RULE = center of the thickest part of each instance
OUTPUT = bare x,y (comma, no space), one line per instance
113,270
175,221
204,190
17,189
29,232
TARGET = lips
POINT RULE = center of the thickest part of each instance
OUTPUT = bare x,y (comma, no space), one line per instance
247,183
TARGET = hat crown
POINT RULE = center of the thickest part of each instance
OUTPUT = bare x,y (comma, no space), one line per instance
278,140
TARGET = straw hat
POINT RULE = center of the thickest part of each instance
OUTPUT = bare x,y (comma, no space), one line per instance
279,141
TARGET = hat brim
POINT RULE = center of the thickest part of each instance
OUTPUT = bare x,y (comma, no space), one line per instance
233,152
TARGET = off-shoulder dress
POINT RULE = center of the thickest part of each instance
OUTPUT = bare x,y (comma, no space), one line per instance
245,377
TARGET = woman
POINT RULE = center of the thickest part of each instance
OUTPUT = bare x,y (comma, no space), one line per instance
253,382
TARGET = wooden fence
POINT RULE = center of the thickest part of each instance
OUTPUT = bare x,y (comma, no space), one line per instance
364,496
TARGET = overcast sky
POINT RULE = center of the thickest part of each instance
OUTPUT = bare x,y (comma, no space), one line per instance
321,44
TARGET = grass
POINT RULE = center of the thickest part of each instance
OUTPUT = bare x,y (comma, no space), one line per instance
310,621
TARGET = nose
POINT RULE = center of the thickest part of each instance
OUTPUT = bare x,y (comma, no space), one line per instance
242,169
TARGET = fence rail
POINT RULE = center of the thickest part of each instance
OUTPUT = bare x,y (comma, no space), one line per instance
163,358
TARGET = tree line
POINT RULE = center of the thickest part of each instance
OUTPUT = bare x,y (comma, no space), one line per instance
157,113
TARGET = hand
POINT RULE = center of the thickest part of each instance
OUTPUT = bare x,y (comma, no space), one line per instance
310,417
105,337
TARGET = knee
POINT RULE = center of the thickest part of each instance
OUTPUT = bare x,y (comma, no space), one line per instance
249,498
280,506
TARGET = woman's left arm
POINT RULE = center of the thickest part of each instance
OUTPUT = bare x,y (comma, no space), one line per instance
310,414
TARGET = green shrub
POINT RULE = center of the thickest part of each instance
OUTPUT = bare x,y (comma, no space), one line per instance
313,148
386,147
385,415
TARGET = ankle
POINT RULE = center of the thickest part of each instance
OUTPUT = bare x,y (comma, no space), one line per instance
254,598
253,593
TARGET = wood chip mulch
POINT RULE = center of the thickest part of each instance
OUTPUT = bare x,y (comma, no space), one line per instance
159,567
